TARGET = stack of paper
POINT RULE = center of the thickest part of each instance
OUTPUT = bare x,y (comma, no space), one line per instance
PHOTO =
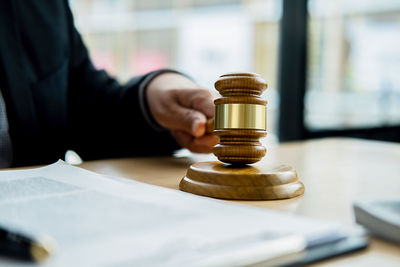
103,221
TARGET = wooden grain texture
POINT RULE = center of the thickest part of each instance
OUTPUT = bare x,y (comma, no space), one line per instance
226,181
241,84
240,146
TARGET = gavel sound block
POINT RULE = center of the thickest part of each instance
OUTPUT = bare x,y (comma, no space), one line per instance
240,121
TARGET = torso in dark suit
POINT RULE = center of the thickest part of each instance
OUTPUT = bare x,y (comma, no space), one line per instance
56,100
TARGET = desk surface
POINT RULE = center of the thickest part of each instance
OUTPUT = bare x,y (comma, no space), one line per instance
335,172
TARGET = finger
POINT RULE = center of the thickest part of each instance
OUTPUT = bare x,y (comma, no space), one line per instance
188,120
187,141
197,99
182,138
206,140
210,126
200,149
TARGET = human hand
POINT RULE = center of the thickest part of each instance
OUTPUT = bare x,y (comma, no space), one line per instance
179,104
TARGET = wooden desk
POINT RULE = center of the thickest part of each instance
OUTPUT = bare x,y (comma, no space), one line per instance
334,171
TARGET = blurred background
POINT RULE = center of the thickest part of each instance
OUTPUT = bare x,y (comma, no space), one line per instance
333,67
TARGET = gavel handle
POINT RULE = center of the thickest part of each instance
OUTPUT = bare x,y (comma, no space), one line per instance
210,126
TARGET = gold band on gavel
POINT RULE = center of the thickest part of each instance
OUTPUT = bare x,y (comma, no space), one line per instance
243,116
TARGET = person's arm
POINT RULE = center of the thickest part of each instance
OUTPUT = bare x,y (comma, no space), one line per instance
177,103
107,119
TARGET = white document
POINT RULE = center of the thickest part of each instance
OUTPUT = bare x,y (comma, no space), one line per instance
98,220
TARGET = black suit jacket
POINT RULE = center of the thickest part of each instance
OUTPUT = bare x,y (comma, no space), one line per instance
56,100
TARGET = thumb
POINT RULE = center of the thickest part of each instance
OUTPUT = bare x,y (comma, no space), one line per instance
197,99
188,120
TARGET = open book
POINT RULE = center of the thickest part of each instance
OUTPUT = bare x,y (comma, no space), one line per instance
99,220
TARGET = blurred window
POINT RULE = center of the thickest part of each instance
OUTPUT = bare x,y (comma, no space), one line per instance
203,38
353,64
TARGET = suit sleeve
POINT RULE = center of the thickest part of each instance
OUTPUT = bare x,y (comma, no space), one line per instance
105,118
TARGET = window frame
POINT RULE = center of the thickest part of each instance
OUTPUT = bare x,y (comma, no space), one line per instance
292,82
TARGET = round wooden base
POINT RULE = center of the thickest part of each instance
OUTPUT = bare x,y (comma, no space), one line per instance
219,180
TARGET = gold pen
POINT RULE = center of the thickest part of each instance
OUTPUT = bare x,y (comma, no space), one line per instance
20,246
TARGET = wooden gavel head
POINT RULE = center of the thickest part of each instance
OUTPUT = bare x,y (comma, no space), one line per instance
240,118
240,121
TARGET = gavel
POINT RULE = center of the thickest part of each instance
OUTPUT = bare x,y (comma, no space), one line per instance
240,118
240,121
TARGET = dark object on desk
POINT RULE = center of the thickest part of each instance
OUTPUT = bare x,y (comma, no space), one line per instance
330,250
380,217
22,247
240,121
